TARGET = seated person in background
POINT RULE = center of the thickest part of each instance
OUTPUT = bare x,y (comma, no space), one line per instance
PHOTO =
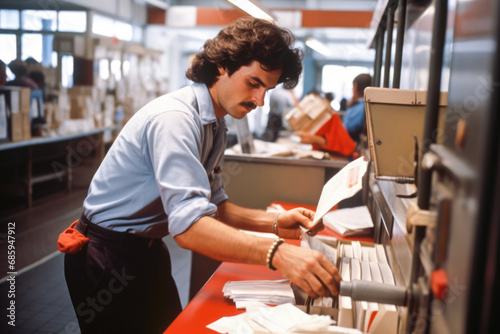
35,72
337,136
330,97
20,70
332,137
354,118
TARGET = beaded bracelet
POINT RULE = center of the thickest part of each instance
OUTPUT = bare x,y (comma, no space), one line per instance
272,250
275,225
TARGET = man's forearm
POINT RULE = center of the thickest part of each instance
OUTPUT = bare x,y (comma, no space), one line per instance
216,240
246,218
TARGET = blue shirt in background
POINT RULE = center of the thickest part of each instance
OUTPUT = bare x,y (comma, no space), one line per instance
354,119
162,173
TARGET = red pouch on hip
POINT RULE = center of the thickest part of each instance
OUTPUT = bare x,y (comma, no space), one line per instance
71,241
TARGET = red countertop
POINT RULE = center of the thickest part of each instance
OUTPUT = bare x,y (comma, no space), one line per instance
210,304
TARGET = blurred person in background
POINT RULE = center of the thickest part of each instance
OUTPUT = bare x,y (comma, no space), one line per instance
341,136
35,73
282,100
20,70
354,119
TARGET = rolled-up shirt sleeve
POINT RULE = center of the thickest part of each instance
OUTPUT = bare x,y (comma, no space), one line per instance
173,146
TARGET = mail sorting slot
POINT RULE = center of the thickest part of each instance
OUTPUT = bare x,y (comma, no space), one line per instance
362,264
394,117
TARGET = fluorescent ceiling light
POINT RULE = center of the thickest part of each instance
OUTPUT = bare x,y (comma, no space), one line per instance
317,46
251,8
162,4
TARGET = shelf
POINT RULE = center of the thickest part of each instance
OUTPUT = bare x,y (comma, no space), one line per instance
42,167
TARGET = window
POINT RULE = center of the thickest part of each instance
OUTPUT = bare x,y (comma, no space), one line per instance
103,26
106,26
8,51
9,47
338,80
9,19
67,71
137,34
123,31
39,47
116,70
39,20
31,45
104,69
72,21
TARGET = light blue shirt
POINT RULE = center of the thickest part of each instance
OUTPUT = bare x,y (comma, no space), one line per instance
354,119
160,175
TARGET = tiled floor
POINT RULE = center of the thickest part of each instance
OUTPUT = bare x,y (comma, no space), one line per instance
42,302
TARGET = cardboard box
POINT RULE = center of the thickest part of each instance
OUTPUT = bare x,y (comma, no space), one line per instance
16,125
25,101
20,127
17,99
26,125
83,90
17,104
310,114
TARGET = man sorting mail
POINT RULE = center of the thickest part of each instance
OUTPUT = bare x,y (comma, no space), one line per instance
162,175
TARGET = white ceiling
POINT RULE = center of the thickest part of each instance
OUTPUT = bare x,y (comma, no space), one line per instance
349,44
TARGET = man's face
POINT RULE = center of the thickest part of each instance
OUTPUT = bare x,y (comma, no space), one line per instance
243,91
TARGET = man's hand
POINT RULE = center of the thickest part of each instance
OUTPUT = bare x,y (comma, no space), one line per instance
289,223
308,269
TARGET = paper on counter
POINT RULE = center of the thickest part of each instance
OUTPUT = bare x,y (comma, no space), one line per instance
284,318
346,183
274,292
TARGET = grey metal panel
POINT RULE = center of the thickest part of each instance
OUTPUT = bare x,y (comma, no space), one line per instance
469,173
399,239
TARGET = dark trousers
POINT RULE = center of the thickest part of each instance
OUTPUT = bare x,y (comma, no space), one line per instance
121,283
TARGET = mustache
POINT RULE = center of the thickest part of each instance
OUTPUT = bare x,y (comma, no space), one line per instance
249,105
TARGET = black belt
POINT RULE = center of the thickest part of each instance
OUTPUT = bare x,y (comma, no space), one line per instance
92,230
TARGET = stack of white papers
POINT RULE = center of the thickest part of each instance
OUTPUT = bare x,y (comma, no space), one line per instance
355,221
284,318
245,293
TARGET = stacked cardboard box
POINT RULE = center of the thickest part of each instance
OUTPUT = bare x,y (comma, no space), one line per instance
17,104
83,101
310,114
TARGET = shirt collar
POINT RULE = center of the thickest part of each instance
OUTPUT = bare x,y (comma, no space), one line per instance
205,104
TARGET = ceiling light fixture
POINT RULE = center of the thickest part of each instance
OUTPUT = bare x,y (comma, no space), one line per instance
317,46
251,8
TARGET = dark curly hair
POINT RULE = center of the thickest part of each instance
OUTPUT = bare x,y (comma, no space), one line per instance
243,41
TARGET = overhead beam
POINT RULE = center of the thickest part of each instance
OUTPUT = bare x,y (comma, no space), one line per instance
207,16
